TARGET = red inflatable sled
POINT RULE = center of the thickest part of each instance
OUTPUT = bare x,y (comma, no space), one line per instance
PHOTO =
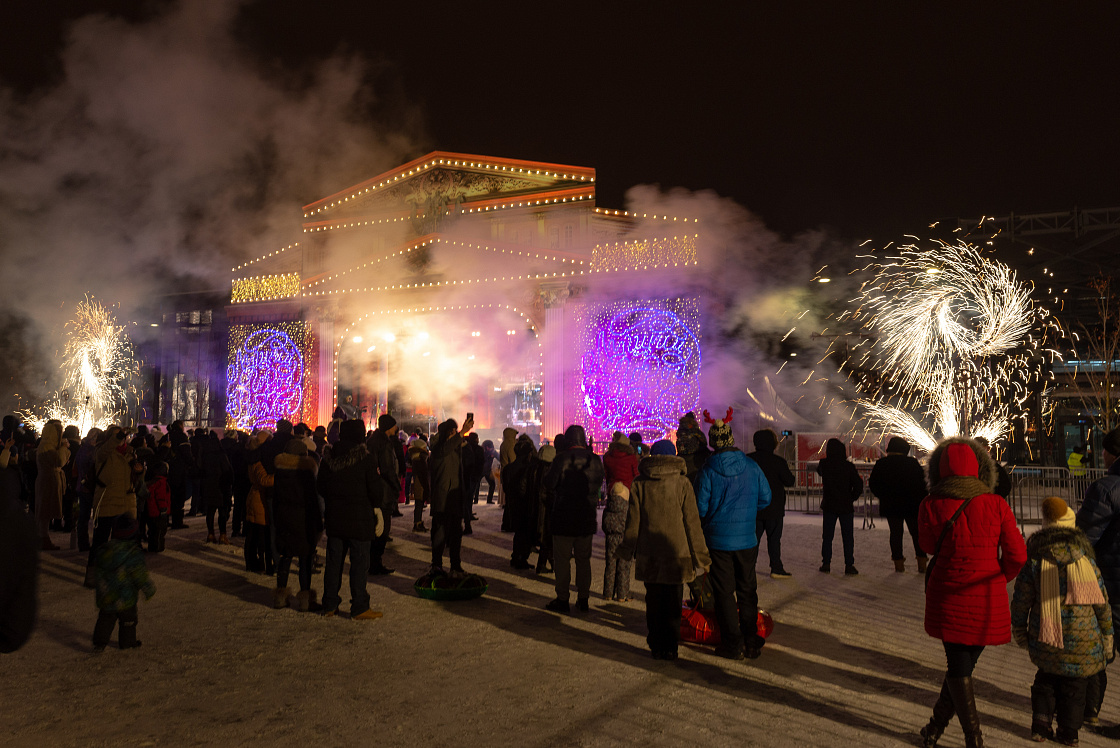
700,627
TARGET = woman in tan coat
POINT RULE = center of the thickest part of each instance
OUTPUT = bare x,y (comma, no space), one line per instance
258,538
664,537
53,453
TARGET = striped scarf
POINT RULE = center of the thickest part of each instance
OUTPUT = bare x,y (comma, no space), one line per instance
1081,589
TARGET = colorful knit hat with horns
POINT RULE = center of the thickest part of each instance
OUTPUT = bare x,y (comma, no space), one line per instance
719,433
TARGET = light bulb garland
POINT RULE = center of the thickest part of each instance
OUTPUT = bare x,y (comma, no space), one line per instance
265,288
264,257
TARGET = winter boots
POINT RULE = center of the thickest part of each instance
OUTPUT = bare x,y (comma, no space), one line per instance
964,702
900,565
280,597
942,713
306,602
922,563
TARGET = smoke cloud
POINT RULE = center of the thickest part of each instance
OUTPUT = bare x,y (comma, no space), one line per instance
166,155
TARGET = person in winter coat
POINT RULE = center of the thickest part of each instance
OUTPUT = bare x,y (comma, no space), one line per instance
620,462
770,520
573,483
84,477
73,440
19,560
665,539
730,489
692,445
966,590
639,446
258,525
489,455
121,577
448,493
840,487
505,457
234,448
421,484
158,508
474,468
299,525
1060,614
1099,517
900,484
50,483
1003,479
383,445
616,571
215,481
353,494
520,500
180,468
115,493
546,455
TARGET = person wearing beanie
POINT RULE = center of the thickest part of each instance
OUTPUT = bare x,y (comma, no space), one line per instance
474,467
421,485
976,549
546,455
639,446
691,445
730,489
521,501
121,577
900,485
383,446
449,493
353,494
770,520
1099,518
841,487
573,483
1059,613
491,467
663,448
664,538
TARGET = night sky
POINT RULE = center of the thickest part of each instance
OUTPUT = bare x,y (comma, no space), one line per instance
869,119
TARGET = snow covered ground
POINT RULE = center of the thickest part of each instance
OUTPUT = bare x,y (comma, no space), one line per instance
848,663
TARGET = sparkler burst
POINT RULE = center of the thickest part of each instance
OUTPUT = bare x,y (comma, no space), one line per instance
98,370
951,351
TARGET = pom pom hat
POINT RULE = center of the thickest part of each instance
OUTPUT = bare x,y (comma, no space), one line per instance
719,434
1056,513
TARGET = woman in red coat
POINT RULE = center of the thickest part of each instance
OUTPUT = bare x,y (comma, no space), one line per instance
966,594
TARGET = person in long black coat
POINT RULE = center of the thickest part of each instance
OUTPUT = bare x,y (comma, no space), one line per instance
574,482
900,483
841,486
449,495
215,481
353,494
770,520
384,446
299,525
19,558
520,501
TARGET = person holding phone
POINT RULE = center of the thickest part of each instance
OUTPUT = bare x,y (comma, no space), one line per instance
448,493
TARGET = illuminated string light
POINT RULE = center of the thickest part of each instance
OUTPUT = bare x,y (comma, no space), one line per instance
265,288
639,366
264,257
267,377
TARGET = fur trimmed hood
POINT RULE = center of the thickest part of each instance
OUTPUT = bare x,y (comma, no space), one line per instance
1061,545
287,461
661,466
338,460
958,484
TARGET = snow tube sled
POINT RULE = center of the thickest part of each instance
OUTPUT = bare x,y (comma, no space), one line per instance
439,585
699,626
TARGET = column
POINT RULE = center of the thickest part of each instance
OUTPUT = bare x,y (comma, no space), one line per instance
553,339
327,392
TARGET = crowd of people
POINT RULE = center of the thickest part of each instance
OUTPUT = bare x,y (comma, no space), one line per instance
691,512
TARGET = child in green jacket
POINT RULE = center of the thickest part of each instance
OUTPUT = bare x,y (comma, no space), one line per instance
120,575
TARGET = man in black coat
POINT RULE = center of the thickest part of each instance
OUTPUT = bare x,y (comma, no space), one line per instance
574,482
383,445
353,494
771,519
448,493
900,483
474,464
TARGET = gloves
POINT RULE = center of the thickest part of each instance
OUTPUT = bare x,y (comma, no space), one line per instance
1020,636
379,528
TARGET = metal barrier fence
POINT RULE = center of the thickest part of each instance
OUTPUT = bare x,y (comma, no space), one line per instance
1030,484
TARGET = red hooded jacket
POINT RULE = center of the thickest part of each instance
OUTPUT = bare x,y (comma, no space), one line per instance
966,598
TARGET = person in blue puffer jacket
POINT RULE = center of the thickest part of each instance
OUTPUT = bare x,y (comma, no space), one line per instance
730,489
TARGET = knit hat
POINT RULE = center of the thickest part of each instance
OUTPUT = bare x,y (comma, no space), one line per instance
688,421
125,528
1056,513
663,447
719,435
548,453
898,445
353,430
1111,442
296,447
386,422
619,437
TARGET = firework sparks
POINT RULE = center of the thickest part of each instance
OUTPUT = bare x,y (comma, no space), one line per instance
952,350
98,368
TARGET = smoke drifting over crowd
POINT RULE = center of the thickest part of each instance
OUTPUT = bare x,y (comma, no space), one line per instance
168,154
164,153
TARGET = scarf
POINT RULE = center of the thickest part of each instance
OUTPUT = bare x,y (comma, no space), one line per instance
1081,589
